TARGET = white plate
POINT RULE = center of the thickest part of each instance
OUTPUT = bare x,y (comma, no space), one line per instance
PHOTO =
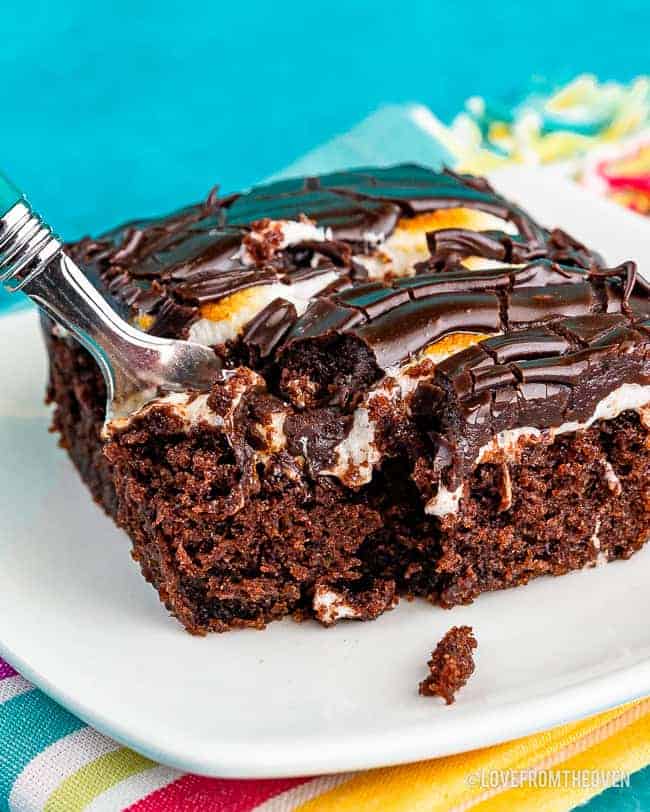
77,618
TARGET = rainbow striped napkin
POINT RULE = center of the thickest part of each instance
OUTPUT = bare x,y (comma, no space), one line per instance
51,761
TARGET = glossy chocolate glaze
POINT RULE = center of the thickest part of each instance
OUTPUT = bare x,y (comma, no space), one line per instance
388,323
192,257
542,378
450,246
566,330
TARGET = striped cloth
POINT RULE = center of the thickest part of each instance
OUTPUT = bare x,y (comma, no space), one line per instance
50,760
53,762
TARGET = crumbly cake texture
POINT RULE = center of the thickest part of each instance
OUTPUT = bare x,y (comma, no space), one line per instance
424,392
451,664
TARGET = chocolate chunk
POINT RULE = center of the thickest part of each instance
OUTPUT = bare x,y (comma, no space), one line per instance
564,248
473,358
568,369
489,379
451,245
322,319
622,337
337,251
586,330
193,253
543,273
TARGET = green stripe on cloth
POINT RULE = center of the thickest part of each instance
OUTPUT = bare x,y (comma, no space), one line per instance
79,789
632,798
28,724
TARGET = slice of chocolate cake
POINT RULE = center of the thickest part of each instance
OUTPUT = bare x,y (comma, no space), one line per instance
424,392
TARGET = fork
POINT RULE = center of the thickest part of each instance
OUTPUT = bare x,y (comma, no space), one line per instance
137,367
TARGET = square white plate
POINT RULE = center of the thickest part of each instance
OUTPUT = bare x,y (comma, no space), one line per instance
77,618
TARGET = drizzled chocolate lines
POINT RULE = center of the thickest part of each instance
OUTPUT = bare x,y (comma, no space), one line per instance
175,264
348,340
449,247
542,378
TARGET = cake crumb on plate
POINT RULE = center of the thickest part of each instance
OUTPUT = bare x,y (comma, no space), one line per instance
451,664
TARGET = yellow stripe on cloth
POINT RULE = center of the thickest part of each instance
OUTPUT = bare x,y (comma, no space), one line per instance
623,753
79,789
457,783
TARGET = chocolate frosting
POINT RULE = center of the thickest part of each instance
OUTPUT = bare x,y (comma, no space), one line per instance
565,330
541,378
385,324
194,256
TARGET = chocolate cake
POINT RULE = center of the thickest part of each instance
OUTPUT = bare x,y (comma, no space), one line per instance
451,664
424,392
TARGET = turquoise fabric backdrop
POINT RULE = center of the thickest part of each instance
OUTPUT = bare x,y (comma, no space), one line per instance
125,108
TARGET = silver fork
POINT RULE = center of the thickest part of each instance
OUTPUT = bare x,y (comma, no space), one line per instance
136,366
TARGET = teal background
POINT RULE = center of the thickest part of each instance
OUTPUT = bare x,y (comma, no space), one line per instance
125,109
112,110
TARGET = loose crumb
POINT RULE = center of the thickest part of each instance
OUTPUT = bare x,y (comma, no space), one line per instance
451,664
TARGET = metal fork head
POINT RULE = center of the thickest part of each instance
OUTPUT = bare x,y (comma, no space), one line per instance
137,367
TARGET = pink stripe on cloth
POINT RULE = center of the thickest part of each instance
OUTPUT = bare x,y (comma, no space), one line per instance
192,793
6,670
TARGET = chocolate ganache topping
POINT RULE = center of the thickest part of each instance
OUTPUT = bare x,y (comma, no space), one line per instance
542,378
348,340
162,272
383,304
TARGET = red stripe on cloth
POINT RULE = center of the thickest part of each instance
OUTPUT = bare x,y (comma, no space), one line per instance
192,793
6,670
